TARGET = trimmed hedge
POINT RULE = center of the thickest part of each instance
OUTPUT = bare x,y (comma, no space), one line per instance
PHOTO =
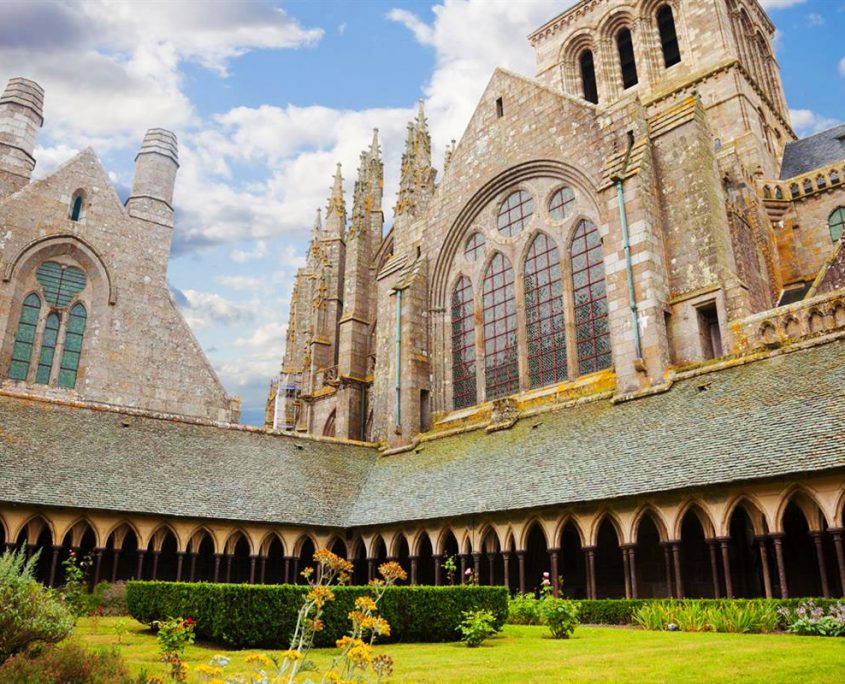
264,616
620,611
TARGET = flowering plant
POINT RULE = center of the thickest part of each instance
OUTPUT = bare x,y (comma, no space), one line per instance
813,620
470,577
546,589
174,636
76,582
451,567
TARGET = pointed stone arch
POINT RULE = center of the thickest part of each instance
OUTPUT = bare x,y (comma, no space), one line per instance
701,512
808,502
660,522
754,509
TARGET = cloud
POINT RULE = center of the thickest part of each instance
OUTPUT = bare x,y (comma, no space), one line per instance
780,4
815,19
422,31
240,282
842,66
203,309
241,256
807,122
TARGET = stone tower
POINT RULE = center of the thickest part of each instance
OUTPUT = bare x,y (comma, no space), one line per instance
21,115
155,177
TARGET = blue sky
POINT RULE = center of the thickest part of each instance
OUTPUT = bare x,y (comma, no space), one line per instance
265,98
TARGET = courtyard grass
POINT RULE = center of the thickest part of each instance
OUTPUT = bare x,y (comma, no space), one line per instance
528,655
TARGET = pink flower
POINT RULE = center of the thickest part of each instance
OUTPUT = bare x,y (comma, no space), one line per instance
546,582
546,575
468,572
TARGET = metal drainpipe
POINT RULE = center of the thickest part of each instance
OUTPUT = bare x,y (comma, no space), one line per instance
626,244
397,410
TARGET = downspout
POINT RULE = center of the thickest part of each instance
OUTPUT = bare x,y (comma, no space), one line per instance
626,245
397,409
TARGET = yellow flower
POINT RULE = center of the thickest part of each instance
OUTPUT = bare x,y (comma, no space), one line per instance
319,594
210,670
392,571
292,655
361,654
365,603
259,659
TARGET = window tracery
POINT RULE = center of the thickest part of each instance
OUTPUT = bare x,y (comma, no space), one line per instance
501,363
73,347
515,212
836,223
463,345
25,337
474,246
562,203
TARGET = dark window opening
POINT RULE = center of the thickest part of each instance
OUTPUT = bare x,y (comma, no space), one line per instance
76,209
500,108
625,45
709,331
668,36
425,411
588,77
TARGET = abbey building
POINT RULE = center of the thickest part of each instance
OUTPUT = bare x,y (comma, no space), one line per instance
604,340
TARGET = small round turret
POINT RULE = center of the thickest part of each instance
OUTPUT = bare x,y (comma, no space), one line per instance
21,115
155,176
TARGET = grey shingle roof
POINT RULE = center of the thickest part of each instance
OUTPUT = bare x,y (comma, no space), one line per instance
769,418
810,153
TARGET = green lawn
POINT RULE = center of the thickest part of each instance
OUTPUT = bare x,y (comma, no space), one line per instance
527,655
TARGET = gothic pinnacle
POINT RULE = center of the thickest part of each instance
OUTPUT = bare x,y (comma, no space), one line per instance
336,210
375,151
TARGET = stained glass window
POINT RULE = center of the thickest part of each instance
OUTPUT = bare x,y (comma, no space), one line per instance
836,223
25,337
562,203
73,347
60,283
592,333
544,313
515,212
48,349
463,345
474,246
501,364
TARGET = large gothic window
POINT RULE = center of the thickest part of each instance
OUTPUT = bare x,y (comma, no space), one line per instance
501,363
515,212
592,334
463,345
25,337
668,36
73,347
48,349
60,282
544,313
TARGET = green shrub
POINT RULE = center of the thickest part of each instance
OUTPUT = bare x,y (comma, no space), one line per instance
728,615
477,626
264,616
525,609
561,616
70,663
29,612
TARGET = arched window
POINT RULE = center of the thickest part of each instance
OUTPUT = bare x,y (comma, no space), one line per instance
501,363
60,282
463,345
836,223
515,212
627,63
592,334
48,349
544,313
562,203
474,247
76,205
73,346
668,36
588,77
25,337
328,428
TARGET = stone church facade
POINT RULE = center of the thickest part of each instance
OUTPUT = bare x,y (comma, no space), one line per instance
606,342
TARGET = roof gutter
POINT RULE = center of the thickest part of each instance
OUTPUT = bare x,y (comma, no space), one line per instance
626,245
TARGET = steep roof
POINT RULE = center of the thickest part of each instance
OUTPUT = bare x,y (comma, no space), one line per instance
821,149
769,418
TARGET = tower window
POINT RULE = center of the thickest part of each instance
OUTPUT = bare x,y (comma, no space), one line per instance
836,223
588,77
668,36
627,63
25,337
73,347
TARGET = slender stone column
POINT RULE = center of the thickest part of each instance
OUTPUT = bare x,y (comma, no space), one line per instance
520,558
229,558
54,561
626,571
764,561
506,575
491,566
192,572
438,579
777,538
217,558
263,573
98,564
414,561
632,566
180,557
294,569
667,569
115,559
590,554
714,566
252,560
553,558
724,543
836,532
156,554
371,569
476,566
817,540
676,556
139,572
463,567
288,560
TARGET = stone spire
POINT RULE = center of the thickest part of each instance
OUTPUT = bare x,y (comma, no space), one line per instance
317,230
336,208
416,183
369,186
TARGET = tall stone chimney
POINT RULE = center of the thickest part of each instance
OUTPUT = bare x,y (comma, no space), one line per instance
21,115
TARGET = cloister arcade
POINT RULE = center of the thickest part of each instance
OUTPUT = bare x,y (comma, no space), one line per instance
774,540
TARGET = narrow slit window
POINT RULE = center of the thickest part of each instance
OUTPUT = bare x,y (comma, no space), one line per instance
73,347
668,36
628,64
463,345
48,349
709,331
588,77
76,208
500,108
25,338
